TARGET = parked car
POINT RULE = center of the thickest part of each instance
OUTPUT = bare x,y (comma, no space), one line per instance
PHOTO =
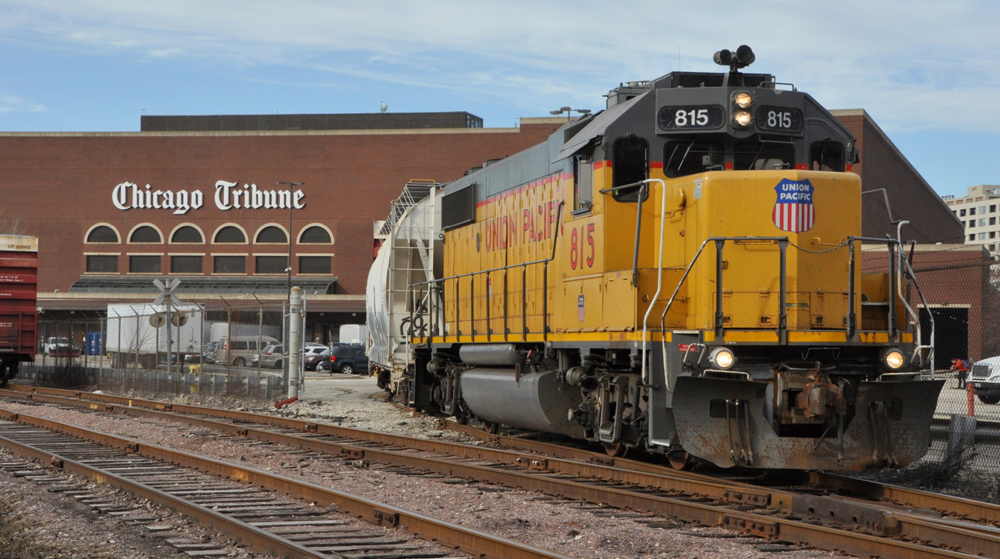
271,357
241,350
55,345
985,379
347,359
314,355
207,354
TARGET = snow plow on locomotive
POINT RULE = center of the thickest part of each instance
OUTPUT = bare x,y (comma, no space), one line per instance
680,272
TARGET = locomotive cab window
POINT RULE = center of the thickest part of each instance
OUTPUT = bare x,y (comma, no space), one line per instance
763,156
827,156
629,165
692,157
583,183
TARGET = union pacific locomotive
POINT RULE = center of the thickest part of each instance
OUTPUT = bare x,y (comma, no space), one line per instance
680,273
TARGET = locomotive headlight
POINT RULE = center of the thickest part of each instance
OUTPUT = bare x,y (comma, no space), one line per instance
893,359
722,358
743,100
743,118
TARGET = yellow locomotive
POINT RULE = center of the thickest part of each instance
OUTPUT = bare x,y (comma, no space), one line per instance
680,272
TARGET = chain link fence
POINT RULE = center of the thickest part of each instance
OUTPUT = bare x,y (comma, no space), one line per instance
961,286
221,350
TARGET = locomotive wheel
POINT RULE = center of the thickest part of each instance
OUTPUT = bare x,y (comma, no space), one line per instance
680,460
615,449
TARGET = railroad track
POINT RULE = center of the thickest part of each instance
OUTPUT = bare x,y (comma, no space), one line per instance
309,523
891,522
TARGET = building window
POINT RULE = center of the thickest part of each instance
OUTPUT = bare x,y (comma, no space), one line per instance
961,213
993,221
103,234
185,264
230,264
982,222
972,237
993,248
972,223
144,264
187,234
972,211
315,234
993,234
270,264
982,236
145,234
102,263
315,265
272,234
982,210
993,208
230,234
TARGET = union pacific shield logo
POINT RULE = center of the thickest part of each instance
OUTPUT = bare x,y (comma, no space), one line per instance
793,210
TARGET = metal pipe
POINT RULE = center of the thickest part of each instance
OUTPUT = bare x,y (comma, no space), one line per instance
294,341
659,274
783,293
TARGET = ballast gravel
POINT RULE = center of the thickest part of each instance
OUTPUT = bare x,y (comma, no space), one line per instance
574,529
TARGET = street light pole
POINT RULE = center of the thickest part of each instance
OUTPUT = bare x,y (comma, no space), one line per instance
569,111
288,284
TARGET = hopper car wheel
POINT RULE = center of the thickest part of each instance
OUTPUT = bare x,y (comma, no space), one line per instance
991,399
615,449
680,460
239,362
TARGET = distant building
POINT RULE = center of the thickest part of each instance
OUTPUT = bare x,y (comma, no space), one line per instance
979,211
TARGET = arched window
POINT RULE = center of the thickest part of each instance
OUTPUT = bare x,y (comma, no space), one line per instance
187,234
230,234
271,234
317,234
145,234
103,234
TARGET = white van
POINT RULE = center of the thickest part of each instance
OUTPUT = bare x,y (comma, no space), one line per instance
242,349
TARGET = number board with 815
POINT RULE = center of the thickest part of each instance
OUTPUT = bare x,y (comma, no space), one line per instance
710,117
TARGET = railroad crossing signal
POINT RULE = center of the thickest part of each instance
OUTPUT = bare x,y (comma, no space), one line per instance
166,288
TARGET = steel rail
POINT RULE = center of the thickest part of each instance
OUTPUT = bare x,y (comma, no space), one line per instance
949,504
879,521
704,487
957,506
450,535
259,539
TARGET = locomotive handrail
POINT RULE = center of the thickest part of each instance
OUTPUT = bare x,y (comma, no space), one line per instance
439,285
719,243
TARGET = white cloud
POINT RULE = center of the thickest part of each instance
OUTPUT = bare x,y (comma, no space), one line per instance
914,65
11,104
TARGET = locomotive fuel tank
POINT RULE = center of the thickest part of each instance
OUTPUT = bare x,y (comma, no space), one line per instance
535,401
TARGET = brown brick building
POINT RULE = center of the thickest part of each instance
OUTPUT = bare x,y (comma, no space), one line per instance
198,198
102,239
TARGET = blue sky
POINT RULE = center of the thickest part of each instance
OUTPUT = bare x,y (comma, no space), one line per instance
926,71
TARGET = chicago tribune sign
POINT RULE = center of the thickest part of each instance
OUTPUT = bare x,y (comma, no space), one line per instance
228,196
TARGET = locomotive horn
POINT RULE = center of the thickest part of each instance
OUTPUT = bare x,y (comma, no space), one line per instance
745,55
742,58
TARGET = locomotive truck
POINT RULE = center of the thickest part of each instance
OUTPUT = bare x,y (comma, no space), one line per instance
679,273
